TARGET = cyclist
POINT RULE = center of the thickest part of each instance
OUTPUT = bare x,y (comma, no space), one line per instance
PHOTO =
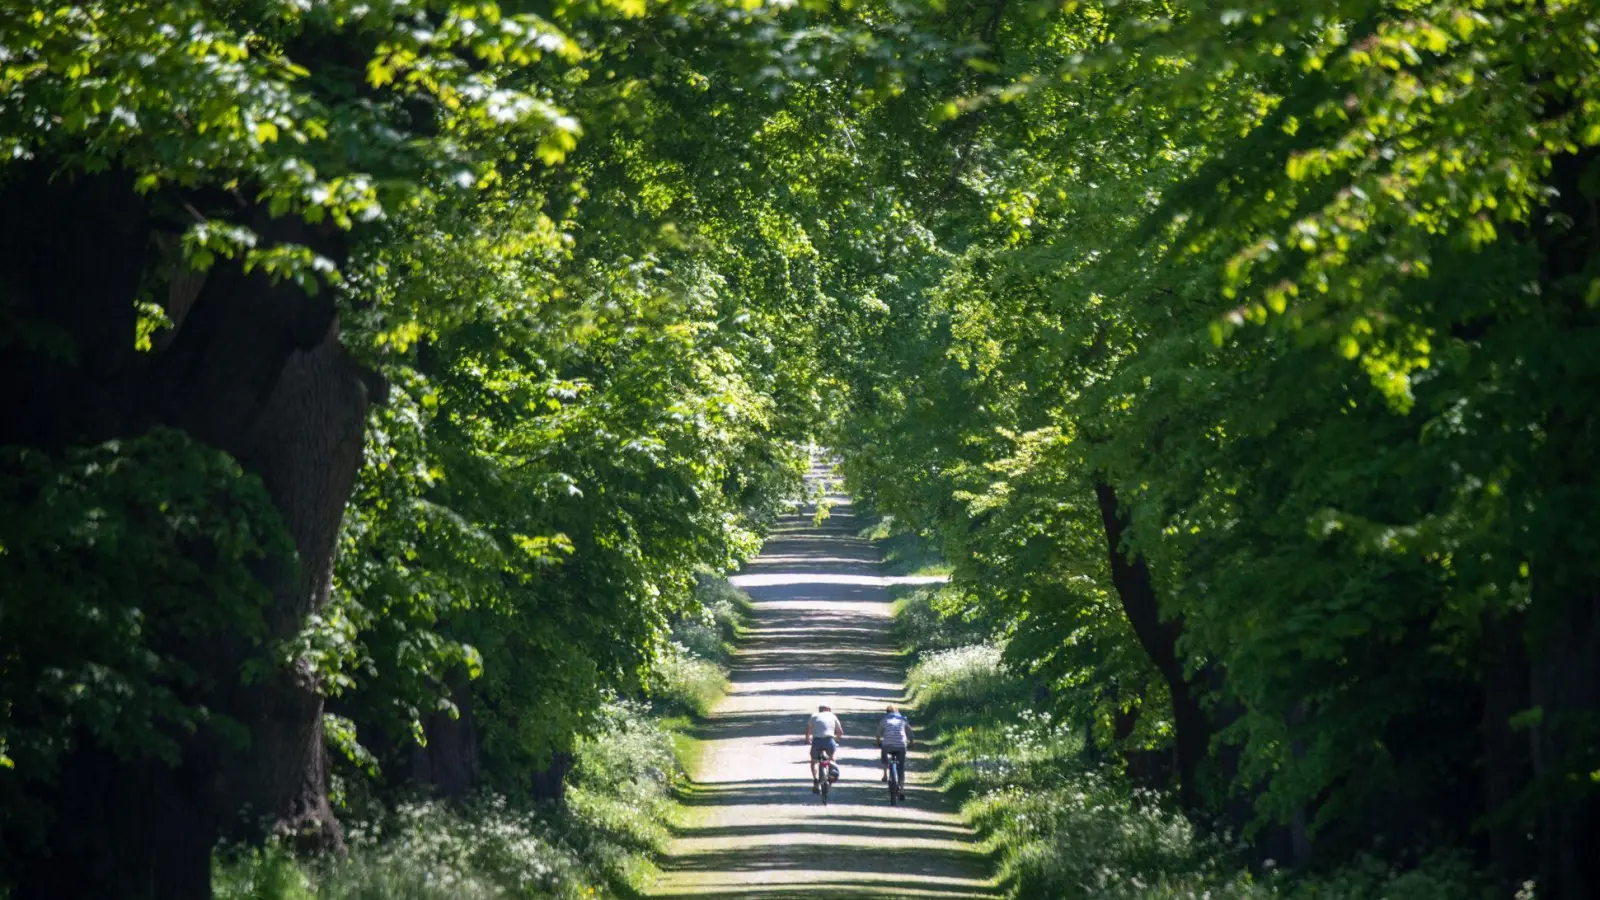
894,737
824,731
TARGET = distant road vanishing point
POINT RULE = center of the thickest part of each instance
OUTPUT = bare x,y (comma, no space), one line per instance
754,830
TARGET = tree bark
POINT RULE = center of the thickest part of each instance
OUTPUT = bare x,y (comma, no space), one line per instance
449,763
1130,575
550,785
1506,764
255,369
1564,618
306,445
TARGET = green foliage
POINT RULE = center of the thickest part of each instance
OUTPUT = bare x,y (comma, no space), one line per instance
1311,289
691,673
1067,826
908,553
932,618
1305,288
709,633
116,561
200,94
599,845
688,684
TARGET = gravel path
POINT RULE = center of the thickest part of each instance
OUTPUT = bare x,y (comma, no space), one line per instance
753,828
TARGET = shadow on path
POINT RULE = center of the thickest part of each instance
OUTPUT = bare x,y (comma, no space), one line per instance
753,829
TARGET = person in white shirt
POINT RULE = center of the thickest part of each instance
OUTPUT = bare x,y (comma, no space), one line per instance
894,736
824,731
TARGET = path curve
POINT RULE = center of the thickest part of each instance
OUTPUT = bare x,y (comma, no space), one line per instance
752,829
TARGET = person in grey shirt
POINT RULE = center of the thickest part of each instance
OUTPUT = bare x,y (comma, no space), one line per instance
894,736
824,731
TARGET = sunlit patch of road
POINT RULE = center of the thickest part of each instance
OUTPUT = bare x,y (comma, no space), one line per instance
754,830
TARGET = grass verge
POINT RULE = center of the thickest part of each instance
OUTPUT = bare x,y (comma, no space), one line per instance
905,552
1063,826
603,842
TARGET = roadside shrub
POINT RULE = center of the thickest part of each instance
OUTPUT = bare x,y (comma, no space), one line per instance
422,851
969,677
1066,827
1444,876
685,683
927,619
599,844
620,795
709,634
905,552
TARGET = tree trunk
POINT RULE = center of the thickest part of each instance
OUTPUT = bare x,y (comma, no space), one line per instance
306,445
1564,618
449,763
1506,766
1130,575
255,369
550,785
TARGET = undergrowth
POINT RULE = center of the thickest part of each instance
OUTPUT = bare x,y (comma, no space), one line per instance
1066,827
905,552
710,633
601,843
693,673
928,618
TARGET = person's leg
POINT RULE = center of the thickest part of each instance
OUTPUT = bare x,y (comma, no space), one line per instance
883,761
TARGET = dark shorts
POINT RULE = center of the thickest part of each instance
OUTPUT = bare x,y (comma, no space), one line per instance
897,751
823,746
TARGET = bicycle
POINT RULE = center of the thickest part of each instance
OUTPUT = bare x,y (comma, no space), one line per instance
828,772
897,776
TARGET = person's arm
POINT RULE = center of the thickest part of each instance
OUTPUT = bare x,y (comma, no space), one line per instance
882,722
908,734
838,728
809,723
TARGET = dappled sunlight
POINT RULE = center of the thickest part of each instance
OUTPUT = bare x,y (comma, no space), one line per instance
754,830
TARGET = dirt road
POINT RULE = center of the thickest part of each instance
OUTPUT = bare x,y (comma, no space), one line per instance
754,830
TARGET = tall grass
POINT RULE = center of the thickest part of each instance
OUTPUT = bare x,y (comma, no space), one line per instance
601,843
928,618
905,552
1065,827
692,673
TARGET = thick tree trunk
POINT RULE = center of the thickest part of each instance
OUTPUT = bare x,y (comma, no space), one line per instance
550,785
1130,575
449,763
1506,764
306,444
255,369
1564,618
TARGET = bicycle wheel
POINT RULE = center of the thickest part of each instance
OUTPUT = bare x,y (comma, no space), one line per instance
824,780
894,775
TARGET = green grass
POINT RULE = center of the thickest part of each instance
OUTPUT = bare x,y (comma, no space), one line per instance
1063,826
905,552
601,844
